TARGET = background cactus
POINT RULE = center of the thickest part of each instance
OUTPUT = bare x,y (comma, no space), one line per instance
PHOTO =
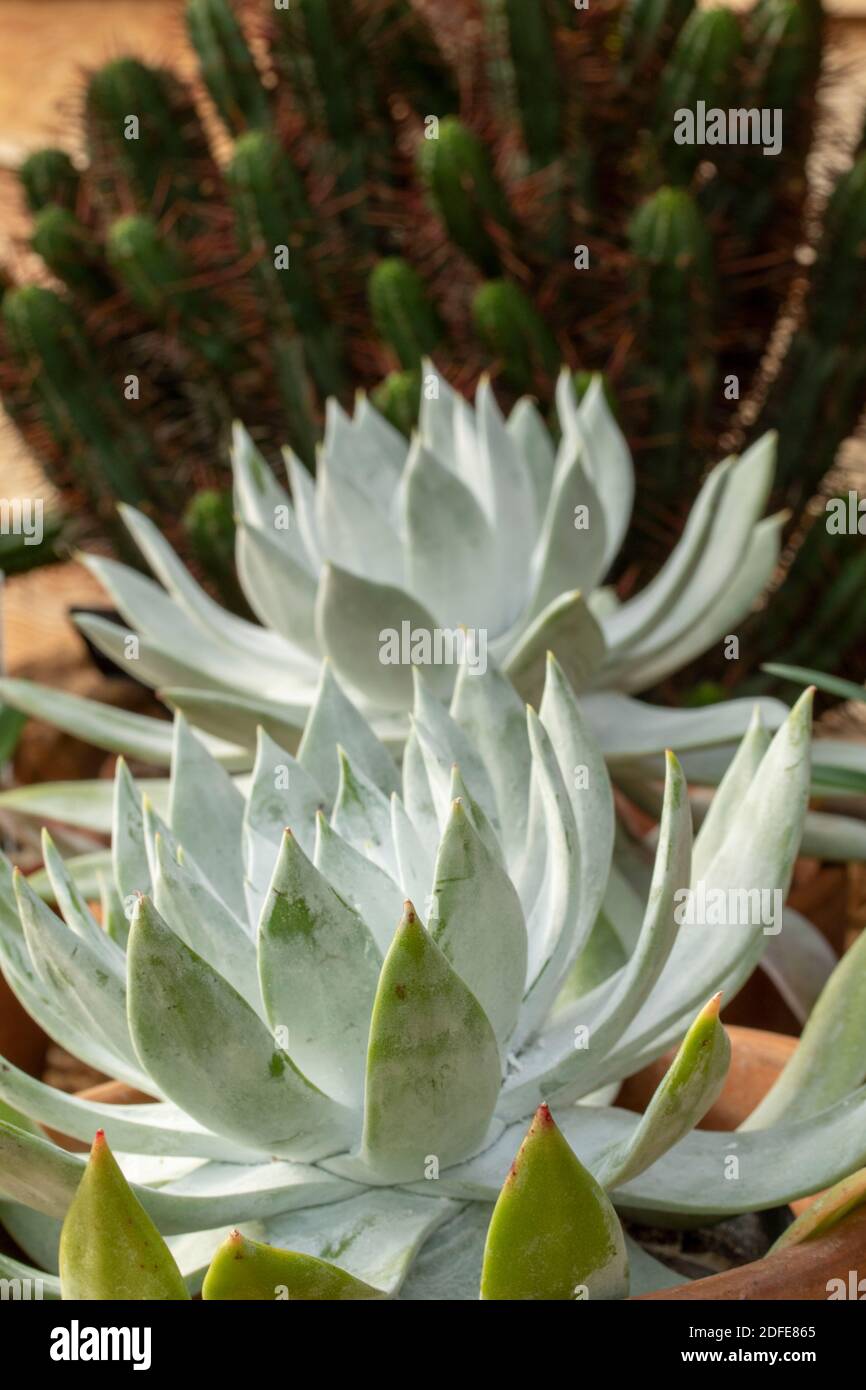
493,184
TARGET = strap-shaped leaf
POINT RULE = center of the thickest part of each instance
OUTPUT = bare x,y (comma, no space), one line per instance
569,556
477,922
238,717
432,1062
45,1177
358,622
362,815
280,591
213,1056
526,426
758,853
685,1093
354,525
334,719
491,714
165,633
374,1235
418,796
109,1247
140,1129
263,653
607,459
76,913
736,514
553,1233
489,837
245,1269
281,793
29,1276
319,969
558,1067
825,1212
304,498
204,922
441,517
103,726
414,864
76,978
729,794
150,661
129,855
509,487
567,628
554,930
628,729
261,503
452,745
581,763
632,620
206,814
371,892
830,1059
732,604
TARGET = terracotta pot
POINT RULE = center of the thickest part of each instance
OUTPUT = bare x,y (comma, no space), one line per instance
801,1271
22,1041
757,1057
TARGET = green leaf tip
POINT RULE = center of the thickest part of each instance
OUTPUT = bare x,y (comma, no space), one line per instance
825,1212
109,1247
554,1234
247,1270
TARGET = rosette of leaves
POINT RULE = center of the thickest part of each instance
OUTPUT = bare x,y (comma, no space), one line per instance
352,1075
350,570
407,179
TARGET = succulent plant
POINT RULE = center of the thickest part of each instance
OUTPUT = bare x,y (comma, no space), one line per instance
412,179
479,530
477,541
352,1085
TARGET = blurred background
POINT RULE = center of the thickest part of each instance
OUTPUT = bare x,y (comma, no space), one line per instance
51,48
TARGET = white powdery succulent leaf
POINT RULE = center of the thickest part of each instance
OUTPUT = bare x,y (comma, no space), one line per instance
358,552
245,1105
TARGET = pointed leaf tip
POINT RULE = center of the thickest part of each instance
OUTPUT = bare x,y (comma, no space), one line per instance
244,1269
554,1233
109,1247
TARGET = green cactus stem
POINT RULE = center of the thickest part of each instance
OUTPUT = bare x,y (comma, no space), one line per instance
49,176
515,334
227,65
462,187
70,251
647,29
146,142
703,66
524,73
96,439
157,276
673,273
402,312
398,398
272,212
